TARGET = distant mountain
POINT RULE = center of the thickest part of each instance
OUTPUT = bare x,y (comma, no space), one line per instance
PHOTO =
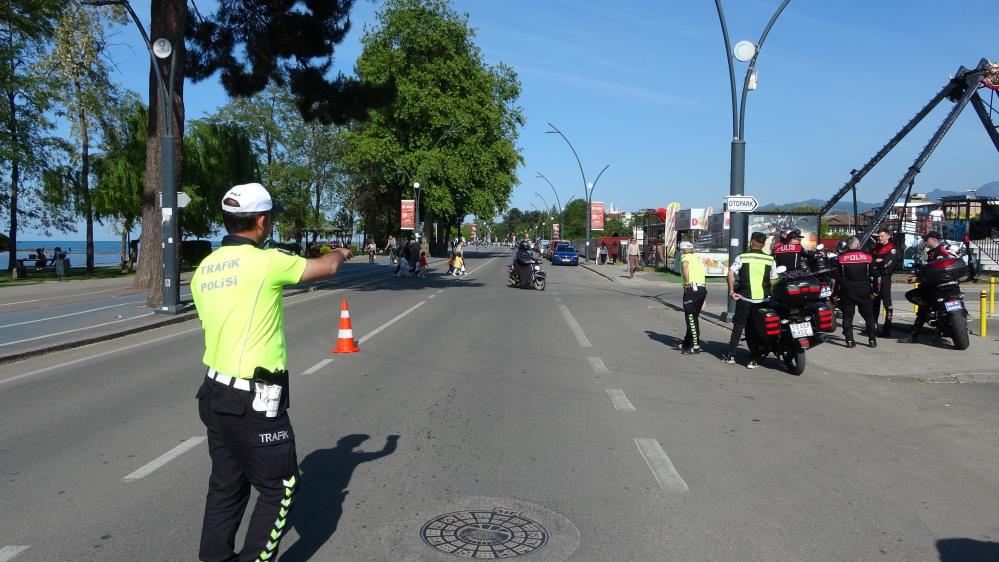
990,189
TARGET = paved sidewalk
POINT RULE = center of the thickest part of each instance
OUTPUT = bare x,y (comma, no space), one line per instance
931,361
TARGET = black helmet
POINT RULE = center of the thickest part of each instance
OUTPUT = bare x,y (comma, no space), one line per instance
525,245
789,234
933,234
841,247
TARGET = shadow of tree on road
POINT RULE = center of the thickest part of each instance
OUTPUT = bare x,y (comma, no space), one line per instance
318,505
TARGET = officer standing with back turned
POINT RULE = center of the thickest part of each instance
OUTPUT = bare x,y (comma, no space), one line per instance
243,400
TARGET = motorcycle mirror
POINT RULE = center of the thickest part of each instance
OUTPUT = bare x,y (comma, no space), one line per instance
781,269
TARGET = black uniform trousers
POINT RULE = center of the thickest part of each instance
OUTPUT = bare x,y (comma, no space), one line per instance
247,449
883,300
743,310
693,301
850,301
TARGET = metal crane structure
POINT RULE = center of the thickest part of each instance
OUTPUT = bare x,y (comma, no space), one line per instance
966,86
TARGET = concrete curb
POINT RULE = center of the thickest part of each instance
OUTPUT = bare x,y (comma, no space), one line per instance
590,268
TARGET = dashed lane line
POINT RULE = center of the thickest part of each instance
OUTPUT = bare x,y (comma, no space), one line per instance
481,266
620,401
598,365
11,552
663,470
375,332
166,457
574,326
59,297
317,366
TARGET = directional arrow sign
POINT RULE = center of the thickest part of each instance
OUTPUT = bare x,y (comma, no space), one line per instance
741,203
182,199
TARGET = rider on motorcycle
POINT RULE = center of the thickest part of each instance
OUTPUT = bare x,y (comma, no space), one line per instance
525,264
922,294
788,251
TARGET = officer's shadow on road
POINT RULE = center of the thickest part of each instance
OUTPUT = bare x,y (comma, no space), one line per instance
318,505
967,550
673,341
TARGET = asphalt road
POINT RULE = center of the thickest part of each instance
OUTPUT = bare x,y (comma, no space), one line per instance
563,410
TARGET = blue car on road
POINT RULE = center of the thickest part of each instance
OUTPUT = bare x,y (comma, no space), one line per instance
565,254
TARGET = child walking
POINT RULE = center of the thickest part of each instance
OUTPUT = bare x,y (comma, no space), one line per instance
422,267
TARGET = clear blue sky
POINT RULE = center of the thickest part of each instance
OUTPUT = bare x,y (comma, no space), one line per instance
643,86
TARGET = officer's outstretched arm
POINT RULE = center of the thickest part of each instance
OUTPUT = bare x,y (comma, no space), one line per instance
326,265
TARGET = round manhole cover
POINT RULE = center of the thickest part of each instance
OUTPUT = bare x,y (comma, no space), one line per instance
485,534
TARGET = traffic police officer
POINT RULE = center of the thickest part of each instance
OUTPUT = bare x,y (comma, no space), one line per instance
885,257
243,400
753,271
694,293
853,281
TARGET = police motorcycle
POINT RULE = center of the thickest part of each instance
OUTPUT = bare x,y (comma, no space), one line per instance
947,310
795,318
822,264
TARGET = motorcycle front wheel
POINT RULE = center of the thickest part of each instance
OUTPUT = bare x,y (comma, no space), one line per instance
794,361
539,283
959,329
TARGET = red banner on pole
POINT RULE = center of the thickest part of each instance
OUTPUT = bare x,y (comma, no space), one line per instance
556,231
596,215
474,231
408,214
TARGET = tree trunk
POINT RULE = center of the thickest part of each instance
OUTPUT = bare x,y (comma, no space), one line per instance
88,208
167,21
15,179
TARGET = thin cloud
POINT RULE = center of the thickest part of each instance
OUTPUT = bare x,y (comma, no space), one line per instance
613,87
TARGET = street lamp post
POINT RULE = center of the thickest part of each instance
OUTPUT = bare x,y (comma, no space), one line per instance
587,187
744,51
416,209
561,217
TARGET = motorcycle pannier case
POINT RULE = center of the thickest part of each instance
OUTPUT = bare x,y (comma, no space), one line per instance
822,318
942,271
766,322
795,288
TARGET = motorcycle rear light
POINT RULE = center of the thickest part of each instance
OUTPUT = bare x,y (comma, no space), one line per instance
804,342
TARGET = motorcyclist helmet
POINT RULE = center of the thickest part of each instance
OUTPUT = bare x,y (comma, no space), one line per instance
525,245
789,234
841,247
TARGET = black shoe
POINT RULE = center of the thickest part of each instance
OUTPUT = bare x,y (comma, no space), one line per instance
851,344
687,350
730,359
872,343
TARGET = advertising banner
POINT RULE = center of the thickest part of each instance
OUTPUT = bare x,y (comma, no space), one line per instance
408,214
772,224
556,231
475,231
596,215
692,219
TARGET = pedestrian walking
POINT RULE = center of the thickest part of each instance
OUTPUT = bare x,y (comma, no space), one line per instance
634,253
602,254
853,283
694,293
243,400
749,280
422,267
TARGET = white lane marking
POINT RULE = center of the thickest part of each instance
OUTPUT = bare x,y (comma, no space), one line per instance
619,400
481,266
574,326
439,291
317,366
70,314
43,336
292,300
12,552
62,297
558,299
432,296
666,475
97,355
166,457
598,365
374,332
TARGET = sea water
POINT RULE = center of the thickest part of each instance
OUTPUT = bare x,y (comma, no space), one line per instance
106,252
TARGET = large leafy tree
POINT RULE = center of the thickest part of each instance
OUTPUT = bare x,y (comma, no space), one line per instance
26,27
250,43
452,126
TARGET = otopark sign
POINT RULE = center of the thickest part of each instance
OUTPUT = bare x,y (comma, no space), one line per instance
741,203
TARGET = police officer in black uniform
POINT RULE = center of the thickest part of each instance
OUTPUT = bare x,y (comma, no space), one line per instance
934,251
788,251
885,257
853,281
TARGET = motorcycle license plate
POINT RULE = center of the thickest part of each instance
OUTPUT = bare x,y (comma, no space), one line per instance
825,292
801,330
953,306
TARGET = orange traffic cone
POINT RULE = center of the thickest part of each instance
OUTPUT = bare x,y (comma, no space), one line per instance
345,337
